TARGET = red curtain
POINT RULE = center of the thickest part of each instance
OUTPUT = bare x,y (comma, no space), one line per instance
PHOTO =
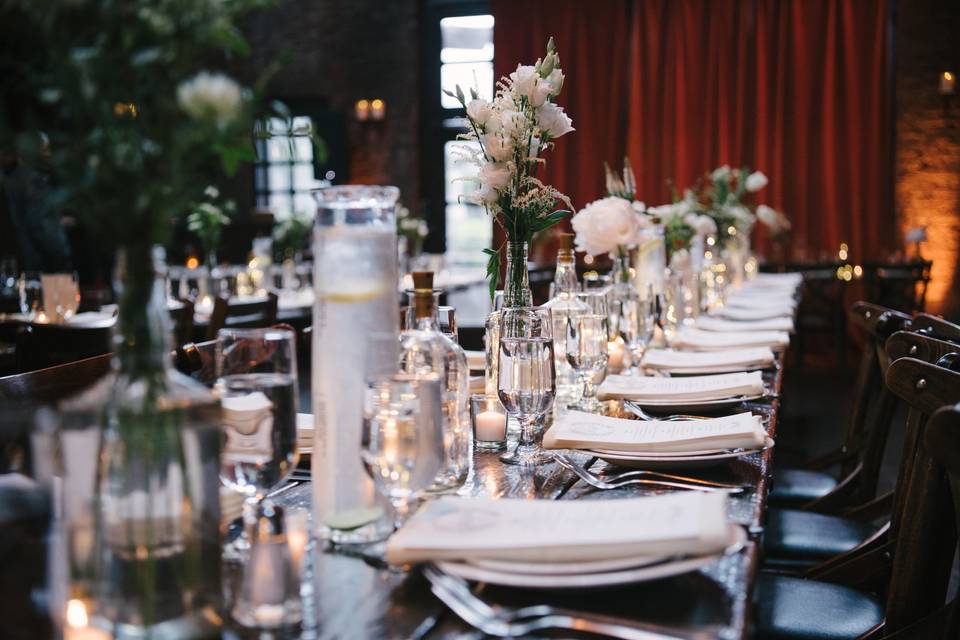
795,88
592,39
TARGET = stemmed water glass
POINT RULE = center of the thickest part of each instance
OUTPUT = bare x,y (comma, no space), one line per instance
402,445
526,378
638,316
257,385
587,345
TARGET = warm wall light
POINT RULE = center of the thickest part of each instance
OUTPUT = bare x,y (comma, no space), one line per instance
948,83
378,109
362,110
192,262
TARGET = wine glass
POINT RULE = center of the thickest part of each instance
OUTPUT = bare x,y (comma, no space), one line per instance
402,445
446,319
526,378
31,294
257,385
587,345
638,314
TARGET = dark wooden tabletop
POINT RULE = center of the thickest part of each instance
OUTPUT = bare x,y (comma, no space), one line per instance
351,596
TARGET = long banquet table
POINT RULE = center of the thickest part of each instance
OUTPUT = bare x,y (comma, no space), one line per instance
356,596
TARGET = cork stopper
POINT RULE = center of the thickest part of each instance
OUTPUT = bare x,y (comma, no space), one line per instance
566,241
422,294
423,280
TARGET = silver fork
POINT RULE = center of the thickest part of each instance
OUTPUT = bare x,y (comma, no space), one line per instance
638,411
505,622
622,481
641,473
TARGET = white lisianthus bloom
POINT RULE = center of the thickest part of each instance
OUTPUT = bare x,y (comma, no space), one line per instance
497,147
422,229
555,80
702,225
553,121
495,175
211,192
755,181
604,225
720,173
638,206
514,122
524,79
479,110
485,195
211,95
768,216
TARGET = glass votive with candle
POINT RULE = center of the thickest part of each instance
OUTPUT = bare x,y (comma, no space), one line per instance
489,423
298,537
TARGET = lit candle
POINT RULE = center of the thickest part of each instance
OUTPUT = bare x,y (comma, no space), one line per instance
378,109
491,426
77,627
362,110
948,83
616,351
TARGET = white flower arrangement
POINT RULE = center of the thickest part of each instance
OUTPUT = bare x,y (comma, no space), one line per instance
211,95
512,132
608,225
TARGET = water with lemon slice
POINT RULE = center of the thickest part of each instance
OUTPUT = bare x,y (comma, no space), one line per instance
355,278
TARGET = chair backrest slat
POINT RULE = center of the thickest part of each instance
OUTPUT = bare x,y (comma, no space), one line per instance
259,312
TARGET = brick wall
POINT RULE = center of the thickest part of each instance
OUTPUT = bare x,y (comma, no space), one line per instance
342,51
927,161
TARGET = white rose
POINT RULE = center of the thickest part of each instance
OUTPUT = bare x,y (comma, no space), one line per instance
497,147
211,95
479,111
638,206
553,121
702,225
495,175
755,181
605,224
720,173
680,260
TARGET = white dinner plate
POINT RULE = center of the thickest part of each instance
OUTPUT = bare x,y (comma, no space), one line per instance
598,579
674,406
686,460
566,568
730,368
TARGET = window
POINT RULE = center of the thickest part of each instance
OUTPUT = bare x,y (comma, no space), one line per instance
284,171
461,49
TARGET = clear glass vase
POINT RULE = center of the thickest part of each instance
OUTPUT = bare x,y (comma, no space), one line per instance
142,518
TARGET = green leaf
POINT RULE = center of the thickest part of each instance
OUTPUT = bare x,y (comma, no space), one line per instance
493,270
230,38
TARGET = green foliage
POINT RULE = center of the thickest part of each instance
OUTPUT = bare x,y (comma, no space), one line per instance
291,235
107,85
208,219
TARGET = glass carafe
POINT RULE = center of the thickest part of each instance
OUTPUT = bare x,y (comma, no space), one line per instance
565,307
355,280
425,350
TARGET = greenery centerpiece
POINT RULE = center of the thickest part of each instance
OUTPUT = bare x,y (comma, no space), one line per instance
207,220
508,137
136,126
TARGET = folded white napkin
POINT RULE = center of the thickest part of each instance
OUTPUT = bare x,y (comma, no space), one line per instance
706,361
761,300
477,360
578,430
752,313
451,528
688,338
714,323
693,388
305,431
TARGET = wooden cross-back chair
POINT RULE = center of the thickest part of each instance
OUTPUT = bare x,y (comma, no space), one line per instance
894,585
246,313
936,327
45,345
812,488
181,316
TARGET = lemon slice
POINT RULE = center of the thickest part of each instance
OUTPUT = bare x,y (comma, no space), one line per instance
363,292
353,518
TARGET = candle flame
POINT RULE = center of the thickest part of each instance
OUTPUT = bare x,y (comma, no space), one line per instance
76,614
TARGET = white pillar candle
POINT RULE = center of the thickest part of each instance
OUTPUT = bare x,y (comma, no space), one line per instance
615,350
491,426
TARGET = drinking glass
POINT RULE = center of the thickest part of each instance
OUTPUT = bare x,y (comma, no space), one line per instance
257,385
31,294
402,445
526,378
587,345
638,316
446,318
